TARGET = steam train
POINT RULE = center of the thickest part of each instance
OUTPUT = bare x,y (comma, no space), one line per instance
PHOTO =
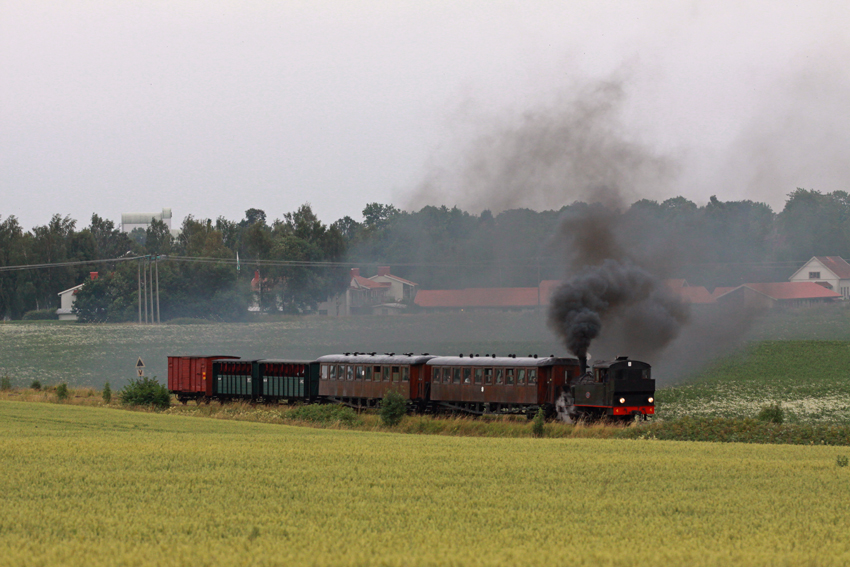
622,389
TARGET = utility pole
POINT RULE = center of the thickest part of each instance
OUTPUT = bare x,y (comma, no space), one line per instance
158,320
145,286
150,289
139,295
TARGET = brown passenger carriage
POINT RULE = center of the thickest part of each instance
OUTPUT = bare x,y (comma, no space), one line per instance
363,379
491,384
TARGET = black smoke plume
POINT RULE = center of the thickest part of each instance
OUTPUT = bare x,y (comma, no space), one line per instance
616,291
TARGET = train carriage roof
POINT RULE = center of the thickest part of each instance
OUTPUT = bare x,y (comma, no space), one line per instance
284,361
501,361
621,362
364,358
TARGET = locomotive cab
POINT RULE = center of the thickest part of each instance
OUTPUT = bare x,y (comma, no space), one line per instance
620,389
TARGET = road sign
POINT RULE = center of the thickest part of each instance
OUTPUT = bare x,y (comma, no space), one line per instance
140,364
140,372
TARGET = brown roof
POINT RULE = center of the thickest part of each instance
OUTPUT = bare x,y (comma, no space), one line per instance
402,280
367,283
836,265
676,285
791,290
478,297
695,294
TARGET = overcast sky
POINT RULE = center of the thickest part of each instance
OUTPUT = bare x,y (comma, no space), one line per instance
211,108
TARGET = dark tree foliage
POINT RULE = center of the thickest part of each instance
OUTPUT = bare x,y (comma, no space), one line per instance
718,243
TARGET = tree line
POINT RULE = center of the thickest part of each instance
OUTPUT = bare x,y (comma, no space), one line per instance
719,243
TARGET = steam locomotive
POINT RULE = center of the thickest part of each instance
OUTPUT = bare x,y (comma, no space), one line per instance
622,389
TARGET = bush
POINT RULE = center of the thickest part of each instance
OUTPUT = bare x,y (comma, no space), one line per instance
41,315
393,408
322,413
107,393
5,383
772,414
36,385
146,392
62,391
537,426
841,460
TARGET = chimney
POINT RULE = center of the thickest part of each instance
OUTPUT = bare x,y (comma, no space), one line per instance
355,272
93,275
583,361
383,270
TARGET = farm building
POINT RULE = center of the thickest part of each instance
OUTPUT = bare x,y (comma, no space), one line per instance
381,294
776,294
67,299
66,303
831,272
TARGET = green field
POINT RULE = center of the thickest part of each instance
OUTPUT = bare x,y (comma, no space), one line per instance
89,355
95,486
809,379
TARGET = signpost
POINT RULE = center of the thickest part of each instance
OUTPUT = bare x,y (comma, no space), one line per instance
140,367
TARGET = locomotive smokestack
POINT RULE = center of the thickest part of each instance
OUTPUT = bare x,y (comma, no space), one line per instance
583,361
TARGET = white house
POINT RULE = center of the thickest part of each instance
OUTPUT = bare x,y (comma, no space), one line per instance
66,302
832,272
401,290
382,294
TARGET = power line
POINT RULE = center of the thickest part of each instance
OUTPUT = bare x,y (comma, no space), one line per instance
528,262
65,264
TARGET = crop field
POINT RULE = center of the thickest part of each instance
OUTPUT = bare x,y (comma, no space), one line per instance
809,379
96,486
89,355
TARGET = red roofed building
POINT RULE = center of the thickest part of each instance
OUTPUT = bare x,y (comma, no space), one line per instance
769,295
382,294
831,272
479,298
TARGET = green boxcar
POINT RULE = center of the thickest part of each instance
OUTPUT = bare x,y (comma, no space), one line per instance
236,379
289,379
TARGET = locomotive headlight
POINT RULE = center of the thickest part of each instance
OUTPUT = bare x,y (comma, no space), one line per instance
650,400
622,400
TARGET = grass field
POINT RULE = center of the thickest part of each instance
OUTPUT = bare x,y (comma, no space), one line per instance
92,486
809,379
89,355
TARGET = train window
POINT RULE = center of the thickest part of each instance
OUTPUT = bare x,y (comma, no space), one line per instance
447,375
395,373
435,375
479,372
367,373
488,375
520,377
324,372
456,375
358,373
645,374
499,376
349,373
467,375
509,376
405,374
386,372
332,369
376,373
532,376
